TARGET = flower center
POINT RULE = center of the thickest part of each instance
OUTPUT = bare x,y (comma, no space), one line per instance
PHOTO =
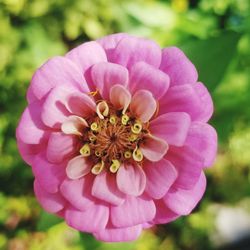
113,137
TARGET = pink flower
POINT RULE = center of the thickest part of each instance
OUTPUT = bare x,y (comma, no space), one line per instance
116,133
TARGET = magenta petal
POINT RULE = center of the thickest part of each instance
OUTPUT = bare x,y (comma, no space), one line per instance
172,127
30,129
94,219
131,179
52,203
105,188
184,201
113,234
61,146
131,50
160,177
49,175
203,139
145,76
188,164
153,148
135,210
178,66
105,75
58,71
86,55
143,105
78,192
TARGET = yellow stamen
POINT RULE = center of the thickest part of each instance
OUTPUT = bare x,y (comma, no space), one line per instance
127,154
102,109
137,154
114,166
112,119
136,128
97,168
92,138
98,153
125,119
93,93
85,150
133,137
94,126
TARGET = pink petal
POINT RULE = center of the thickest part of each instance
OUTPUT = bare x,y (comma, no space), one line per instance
80,104
74,125
203,139
49,175
113,234
131,50
160,177
105,75
120,97
94,219
58,71
178,67
78,192
52,203
184,201
145,76
78,167
188,164
86,55
134,211
131,179
30,129
172,127
153,148
105,188
143,105
163,213
61,146
54,112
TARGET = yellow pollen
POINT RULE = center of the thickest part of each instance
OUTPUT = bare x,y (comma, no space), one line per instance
102,109
85,150
92,138
98,153
127,154
137,154
125,119
114,166
94,126
93,93
136,128
133,137
97,168
112,119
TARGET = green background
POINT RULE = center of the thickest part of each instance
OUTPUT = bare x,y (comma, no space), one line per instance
215,34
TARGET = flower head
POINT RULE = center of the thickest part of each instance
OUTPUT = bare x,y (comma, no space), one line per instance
116,133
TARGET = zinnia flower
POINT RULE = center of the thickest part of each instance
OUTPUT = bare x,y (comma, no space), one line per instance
116,133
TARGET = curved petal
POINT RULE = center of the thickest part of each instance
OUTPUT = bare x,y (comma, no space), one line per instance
120,97
184,201
52,203
86,55
131,50
160,177
94,219
134,211
49,175
74,125
172,127
143,105
153,148
78,167
78,192
179,68
145,76
203,139
105,75
188,164
105,188
131,179
61,146
58,71
113,234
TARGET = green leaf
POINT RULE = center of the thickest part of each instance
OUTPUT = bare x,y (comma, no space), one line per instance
47,220
212,56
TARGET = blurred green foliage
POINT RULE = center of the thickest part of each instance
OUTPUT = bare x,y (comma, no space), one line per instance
216,36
